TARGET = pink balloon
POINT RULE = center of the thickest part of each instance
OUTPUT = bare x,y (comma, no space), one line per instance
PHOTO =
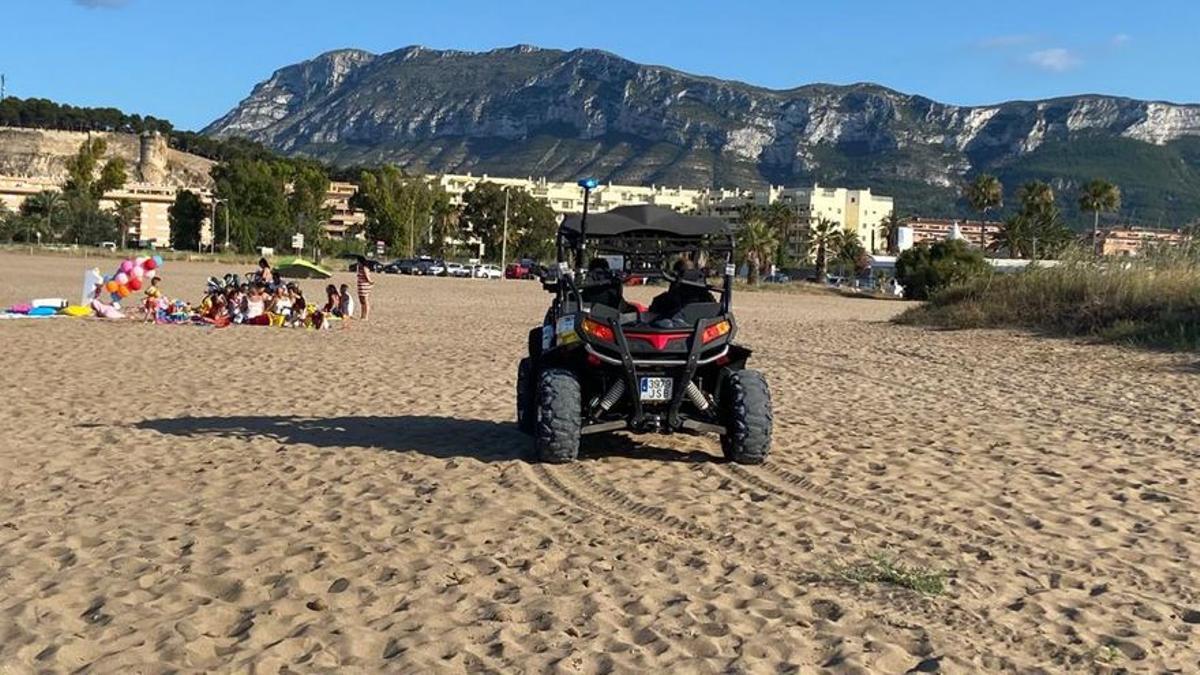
122,278
139,261
126,266
138,273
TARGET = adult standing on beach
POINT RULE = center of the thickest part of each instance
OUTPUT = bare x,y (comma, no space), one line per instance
365,284
265,274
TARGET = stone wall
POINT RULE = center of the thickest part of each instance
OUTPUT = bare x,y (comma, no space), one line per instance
39,153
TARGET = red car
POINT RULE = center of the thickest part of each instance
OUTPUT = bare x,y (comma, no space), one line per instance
518,271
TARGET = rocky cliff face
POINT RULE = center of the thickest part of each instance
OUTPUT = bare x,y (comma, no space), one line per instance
530,111
43,154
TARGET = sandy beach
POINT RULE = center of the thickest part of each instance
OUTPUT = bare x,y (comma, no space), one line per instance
268,500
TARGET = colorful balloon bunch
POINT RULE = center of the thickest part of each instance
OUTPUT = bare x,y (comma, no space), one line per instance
131,275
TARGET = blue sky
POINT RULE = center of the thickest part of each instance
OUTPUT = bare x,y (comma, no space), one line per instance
191,61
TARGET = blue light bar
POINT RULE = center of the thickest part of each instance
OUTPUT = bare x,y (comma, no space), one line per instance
588,183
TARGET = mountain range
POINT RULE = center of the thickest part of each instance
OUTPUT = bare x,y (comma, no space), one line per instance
527,111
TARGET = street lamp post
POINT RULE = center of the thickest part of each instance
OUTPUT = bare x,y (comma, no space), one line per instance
216,201
504,238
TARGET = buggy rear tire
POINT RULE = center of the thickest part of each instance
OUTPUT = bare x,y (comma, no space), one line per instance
559,416
746,412
526,397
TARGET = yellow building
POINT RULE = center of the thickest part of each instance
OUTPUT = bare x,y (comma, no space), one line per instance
343,220
567,197
857,211
151,226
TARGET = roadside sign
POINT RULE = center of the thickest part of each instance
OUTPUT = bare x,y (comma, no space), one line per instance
298,241
379,248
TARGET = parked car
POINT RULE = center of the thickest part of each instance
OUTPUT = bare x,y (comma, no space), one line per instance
517,271
431,266
454,269
427,268
108,245
777,278
403,266
488,272
372,265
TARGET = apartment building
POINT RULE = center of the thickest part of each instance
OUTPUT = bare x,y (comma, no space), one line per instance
939,229
1131,240
150,226
567,197
344,220
857,211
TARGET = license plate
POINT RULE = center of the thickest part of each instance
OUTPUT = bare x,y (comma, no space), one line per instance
656,388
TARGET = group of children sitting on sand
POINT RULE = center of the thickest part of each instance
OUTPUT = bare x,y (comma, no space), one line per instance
255,303
260,300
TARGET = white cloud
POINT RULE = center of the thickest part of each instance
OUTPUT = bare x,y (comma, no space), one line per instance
101,4
1004,41
1056,59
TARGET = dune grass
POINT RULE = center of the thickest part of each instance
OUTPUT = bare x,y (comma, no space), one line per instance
881,569
1152,302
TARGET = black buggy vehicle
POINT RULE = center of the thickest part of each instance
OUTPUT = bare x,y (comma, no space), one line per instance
600,364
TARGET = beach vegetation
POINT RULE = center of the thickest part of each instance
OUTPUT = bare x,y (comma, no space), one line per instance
822,236
757,241
927,268
883,569
984,194
1150,301
186,218
532,224
1096,197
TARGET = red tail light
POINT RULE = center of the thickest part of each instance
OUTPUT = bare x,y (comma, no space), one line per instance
715,331
598,331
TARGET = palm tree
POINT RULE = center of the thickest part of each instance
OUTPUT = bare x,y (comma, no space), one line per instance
127,212
823,234
891,232
781,219
1036,197
1096,197
7,223
983,194
44,204
1014,236
758,243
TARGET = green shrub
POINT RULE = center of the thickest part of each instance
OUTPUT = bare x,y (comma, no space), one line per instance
924,269
1152,302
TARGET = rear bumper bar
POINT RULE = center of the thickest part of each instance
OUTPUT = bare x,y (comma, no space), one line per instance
622,425
651,363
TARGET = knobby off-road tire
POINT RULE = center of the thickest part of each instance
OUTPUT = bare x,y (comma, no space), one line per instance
560,416
526,397
746,411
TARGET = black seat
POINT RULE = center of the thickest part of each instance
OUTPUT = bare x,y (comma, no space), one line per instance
698,311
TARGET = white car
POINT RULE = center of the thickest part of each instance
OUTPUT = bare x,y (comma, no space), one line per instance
488,272
454,269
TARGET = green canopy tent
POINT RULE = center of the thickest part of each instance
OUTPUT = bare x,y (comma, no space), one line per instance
293,267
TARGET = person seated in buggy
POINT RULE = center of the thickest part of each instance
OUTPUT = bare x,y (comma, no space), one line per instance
602,286
688,287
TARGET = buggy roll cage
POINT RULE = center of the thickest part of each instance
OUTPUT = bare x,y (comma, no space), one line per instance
648,240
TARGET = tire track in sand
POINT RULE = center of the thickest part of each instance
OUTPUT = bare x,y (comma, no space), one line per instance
944,610
801,488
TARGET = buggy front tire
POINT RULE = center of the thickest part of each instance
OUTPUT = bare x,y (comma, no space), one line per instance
559,417
746,412
526,397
